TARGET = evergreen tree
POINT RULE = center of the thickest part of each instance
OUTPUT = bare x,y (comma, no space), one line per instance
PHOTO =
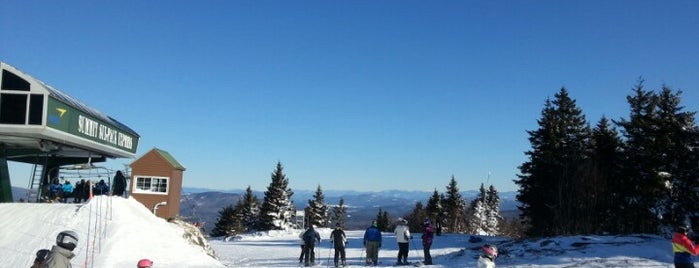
659,162
340,212
249,210
606,160
385,222
382,220
455,206
416,217
434,208
318,209
551,182
493,216
227,223
478,214
277,209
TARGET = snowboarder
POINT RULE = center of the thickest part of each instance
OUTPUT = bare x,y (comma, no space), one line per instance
403,237
427,236
144,263
372,243
40,257
339,241
487,258
309,240
62,252
683,248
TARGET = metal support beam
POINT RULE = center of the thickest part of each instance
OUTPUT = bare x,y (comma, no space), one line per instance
5,184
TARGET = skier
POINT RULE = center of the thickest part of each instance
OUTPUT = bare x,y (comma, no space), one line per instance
40,257
372,242
683,248
403,237
303,247
339,241
427,236
309,240
487,258
62,252
144,263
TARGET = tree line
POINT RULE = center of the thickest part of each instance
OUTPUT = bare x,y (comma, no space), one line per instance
448,211
632,175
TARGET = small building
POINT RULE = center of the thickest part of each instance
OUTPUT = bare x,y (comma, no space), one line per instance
156,182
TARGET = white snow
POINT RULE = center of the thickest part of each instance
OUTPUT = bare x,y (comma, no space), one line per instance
117,232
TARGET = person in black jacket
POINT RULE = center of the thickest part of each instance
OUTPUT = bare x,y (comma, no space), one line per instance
119,184
339,241
310,237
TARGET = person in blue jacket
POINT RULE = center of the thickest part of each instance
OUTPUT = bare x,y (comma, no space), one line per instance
372,243
67,191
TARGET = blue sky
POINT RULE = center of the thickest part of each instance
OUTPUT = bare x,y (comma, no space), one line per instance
357,95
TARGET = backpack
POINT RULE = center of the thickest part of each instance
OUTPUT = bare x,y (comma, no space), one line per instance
309,237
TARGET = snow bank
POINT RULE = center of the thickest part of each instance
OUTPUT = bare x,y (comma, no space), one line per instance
114,232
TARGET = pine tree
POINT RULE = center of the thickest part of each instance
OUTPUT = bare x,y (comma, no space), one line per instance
385,222
660,162
382,220
277,209
641,162
318,209
249,210
551,182
416,217
455,206
493,216
227,223
606,160
479,214
340,212
434,206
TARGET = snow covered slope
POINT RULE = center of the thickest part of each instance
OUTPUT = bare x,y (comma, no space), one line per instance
114,232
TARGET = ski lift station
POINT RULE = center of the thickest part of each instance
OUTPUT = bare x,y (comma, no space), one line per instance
54,132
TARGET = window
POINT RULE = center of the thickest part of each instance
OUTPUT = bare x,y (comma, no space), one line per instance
151,185
11,81
36,109
13,109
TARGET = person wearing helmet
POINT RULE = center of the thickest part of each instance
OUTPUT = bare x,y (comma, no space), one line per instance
488,255
144,263
683,248
62,252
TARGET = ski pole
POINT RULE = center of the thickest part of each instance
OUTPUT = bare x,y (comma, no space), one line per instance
415,248
328,261
362,254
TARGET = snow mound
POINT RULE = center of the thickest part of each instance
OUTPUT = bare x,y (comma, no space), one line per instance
113,232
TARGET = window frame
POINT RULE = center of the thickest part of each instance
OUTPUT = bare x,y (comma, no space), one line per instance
153,188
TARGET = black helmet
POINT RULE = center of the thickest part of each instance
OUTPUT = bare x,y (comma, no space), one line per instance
67,240
681,229
41,255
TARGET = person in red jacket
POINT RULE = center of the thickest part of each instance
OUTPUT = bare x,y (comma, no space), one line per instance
683,248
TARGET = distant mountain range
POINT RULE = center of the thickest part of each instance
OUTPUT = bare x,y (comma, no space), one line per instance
203,205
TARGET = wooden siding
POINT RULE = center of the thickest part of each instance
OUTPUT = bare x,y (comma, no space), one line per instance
154,164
